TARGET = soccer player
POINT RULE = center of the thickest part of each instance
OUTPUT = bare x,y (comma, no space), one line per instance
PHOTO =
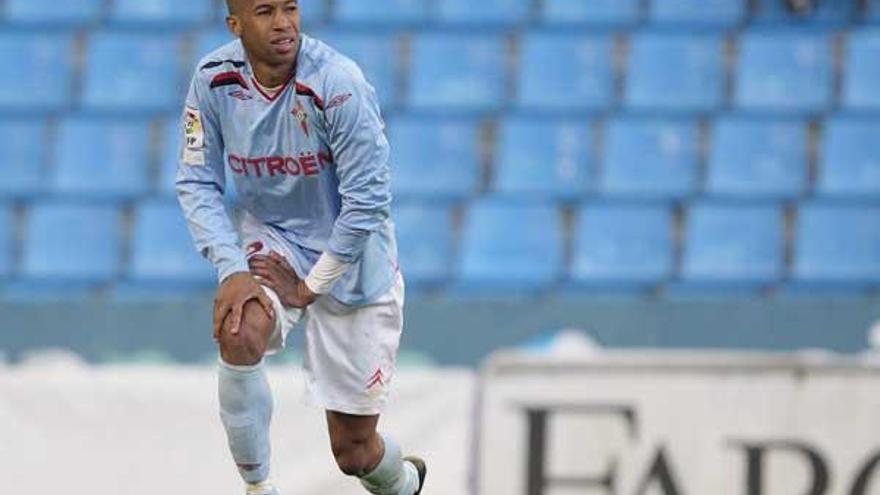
301,133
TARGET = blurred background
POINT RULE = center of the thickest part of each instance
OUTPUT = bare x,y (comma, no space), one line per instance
657,174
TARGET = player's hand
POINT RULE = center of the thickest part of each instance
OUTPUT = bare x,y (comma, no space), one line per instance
276,273
232,295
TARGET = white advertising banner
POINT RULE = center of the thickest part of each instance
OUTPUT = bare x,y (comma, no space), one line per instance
652,423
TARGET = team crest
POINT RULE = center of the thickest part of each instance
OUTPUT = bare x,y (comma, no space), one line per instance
194,137
299,113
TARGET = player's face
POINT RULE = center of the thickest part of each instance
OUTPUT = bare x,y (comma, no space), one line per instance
269,29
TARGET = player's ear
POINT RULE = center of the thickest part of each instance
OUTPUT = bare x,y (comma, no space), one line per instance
234,26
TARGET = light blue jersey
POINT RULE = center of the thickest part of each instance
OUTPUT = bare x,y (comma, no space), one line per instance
310,162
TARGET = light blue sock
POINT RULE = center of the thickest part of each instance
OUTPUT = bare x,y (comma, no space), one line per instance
393,476
246,412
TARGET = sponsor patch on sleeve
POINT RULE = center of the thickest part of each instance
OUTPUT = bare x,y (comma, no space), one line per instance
194,138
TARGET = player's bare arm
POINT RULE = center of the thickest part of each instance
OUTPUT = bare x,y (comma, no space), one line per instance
233,294
276,273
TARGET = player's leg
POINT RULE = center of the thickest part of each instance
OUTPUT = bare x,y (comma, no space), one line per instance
245,396
360,451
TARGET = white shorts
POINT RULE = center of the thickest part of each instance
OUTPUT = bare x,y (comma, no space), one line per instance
350,352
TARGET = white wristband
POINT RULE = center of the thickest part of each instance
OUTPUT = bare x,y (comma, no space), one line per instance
325,273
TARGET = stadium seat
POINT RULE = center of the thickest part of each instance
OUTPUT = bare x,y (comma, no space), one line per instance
650,158
699,13
206,42
6,233
104,159
162,253
850,158
862,75
612,13
675,73
376,54
825,12
733,246
434,158
458,73
483,13
510,247
132,73
23,162
758,158
169,158
70,244
837,246
394,13
52,12
43,65
563,73
785,71
872,11
161,13
544,158
622,246
424,234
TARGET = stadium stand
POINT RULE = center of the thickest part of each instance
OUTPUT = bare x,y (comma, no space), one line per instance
606,13
603,122
23,164
675,73
758,158
850,163
650,159
510,248
562,73
6,230
132,73
115,171
732,247
42,64
425,243
544,158
785,71
837,246
452,173
620,246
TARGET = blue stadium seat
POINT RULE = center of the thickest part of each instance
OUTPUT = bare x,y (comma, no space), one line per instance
826,12
850,158
381,12
43,68
458,73
710,13
434,158
622,246
785,71
872,11
206,42
71,245
132,73
105,159
6,234
733,246
53,12
544,158
561,72
837,246
23,162
376,54
675,73
758,158
862,75
171,149
611,13
483,13
650,158
161,13
510,247
162,253
424,235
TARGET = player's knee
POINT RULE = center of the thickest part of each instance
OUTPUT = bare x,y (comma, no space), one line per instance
352,460
248,346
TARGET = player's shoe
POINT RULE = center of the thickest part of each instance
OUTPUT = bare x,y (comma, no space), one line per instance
421,468
264,488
